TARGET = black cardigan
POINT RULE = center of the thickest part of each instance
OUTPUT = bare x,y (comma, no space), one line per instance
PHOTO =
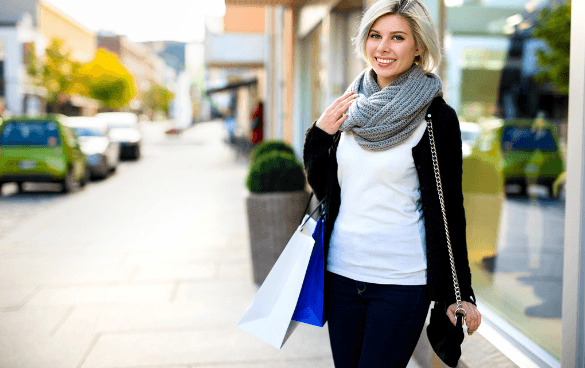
320,159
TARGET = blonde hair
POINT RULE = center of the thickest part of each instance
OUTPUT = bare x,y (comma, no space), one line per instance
421,23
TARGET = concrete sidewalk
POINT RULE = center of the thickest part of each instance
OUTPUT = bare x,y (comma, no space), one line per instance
198,326
308,346
162,289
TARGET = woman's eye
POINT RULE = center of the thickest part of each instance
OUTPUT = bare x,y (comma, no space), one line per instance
395,38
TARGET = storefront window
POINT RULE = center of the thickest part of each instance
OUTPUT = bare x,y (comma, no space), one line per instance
514,168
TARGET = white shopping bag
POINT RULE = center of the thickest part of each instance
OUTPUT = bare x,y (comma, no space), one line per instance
269,317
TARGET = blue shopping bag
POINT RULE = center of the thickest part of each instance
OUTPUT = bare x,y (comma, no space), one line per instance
310,306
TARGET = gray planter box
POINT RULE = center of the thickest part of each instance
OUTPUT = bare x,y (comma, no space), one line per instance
272,220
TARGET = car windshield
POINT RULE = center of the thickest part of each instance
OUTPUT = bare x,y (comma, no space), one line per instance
30,133
527,139
88,132
469,136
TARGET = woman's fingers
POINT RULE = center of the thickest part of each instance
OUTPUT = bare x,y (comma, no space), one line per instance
346,103
472,319
451,316
347,96
339,101
337,124
334,116
342,108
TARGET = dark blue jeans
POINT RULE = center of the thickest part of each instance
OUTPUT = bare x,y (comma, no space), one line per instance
373,325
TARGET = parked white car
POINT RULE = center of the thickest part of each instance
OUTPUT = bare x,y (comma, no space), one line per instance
103,153
124,129
470,132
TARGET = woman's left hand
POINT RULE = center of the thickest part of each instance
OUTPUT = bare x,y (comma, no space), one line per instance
473,319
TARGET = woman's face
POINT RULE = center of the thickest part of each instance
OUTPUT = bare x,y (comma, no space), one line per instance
390,48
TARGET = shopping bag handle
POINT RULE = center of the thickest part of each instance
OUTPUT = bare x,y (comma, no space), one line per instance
320,205
307,207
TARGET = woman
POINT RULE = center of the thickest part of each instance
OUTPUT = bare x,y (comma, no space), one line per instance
369,155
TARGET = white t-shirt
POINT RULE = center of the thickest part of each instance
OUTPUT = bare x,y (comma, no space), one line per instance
379,234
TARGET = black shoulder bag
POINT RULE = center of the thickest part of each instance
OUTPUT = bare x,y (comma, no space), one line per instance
445,338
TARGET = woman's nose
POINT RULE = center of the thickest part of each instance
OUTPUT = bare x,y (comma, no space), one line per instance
384,46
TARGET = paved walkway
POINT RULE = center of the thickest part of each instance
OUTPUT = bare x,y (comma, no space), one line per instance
161,290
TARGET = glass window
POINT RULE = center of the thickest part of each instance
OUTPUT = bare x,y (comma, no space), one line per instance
30,134
88,132
527,139
514,172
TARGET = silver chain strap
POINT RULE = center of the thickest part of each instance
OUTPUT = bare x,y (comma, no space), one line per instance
442,201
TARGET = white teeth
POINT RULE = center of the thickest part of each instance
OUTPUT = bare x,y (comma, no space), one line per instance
385,61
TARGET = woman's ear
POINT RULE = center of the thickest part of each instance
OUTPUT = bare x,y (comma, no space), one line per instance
419,50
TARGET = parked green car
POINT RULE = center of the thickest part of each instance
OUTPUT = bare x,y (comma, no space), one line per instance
532,154
483,188
41,150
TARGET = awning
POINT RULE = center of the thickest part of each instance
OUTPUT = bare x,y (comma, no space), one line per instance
232,86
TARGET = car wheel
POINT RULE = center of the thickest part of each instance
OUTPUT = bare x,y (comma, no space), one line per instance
136,153
523,190
551,191
20,187
85,178
69,182
1,184
101,175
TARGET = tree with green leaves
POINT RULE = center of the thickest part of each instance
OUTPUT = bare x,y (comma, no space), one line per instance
554,27
158,99
56,72
107,80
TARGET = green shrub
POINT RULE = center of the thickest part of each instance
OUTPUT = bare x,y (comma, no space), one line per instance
269,146
276,171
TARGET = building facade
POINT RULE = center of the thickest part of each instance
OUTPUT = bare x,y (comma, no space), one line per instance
54,24
23,23
526,253
235,64
17,27
77,40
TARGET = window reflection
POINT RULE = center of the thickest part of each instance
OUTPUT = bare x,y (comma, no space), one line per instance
514,144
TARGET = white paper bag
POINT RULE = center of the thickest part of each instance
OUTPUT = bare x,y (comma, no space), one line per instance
269,317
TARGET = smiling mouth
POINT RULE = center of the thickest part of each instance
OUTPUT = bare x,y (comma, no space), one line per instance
385,61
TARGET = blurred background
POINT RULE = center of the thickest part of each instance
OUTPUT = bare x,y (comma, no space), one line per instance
177,94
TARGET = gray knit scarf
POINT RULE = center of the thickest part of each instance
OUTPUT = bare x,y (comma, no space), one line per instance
381,119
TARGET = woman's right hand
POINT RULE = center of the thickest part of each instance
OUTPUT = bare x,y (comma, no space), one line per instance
334,116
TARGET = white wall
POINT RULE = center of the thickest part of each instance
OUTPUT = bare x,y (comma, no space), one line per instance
182,104
234,48
194,56
13,71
